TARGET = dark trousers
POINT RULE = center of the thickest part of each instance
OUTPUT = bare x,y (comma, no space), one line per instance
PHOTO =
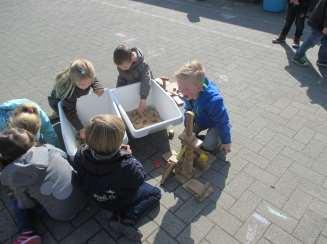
23,217
294,14
147,197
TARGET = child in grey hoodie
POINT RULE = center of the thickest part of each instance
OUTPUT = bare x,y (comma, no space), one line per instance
37,175
132,68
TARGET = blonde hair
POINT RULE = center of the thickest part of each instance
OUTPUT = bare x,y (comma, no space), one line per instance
66,80
192,71
104,134
26,117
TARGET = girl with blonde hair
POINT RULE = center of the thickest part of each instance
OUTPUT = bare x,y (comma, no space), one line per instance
75,81
108,172
26,114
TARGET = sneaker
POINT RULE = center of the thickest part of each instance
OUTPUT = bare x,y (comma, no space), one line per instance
129,231
301,61
279,40
28,237
321,64
296,43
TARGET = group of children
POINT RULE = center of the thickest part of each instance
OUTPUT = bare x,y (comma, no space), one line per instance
42,178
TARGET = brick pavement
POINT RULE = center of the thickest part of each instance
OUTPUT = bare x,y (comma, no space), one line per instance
274,190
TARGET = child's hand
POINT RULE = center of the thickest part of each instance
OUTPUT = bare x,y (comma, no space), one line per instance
126,148
324,31
226,148
142,106
82,134
99,92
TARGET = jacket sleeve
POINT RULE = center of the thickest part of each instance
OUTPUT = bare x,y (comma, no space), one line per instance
145,78
218,113
135,173
97,85
69,107
47,130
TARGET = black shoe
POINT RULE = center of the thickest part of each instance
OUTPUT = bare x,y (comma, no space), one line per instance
321,64
279,40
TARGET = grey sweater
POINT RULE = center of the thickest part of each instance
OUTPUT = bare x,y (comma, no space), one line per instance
138,72
43,175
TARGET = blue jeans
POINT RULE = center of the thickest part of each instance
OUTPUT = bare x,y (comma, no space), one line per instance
147,197
313,39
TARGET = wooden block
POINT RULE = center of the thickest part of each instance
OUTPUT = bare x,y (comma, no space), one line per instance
193,142
200,190
167,172
178,100
169,155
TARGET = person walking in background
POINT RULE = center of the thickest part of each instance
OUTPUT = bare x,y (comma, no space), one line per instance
318,24
296,11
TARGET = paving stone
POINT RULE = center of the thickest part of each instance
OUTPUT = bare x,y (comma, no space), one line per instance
304,135
147,227
222,218
319,207
314,148
217,235
279,165
101,237
306,173
253,158
196,231
313,189
7,226
48,238
245,205
238,163
272,149
260,174
161,237
83,233
309,227
297,156
264,241
297,204
85,214
239,184
269,194
58,229
277,236
215,178
277,216
287,183
264,136
190,209
322,240
222,198
320,167
253,229
169,222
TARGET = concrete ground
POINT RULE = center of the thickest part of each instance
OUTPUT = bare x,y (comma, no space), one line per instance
273,189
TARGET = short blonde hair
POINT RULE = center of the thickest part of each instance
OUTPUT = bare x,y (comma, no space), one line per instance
104,134
26,117
192,71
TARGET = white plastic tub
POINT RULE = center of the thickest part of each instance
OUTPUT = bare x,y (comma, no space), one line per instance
87,106
127,98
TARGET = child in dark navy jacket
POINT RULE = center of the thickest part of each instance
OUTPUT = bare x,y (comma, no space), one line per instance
204,99
108,173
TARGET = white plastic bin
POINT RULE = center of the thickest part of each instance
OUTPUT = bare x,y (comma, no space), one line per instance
87,106
127,98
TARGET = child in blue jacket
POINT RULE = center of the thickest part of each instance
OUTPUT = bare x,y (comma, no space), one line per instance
26,114
204,99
